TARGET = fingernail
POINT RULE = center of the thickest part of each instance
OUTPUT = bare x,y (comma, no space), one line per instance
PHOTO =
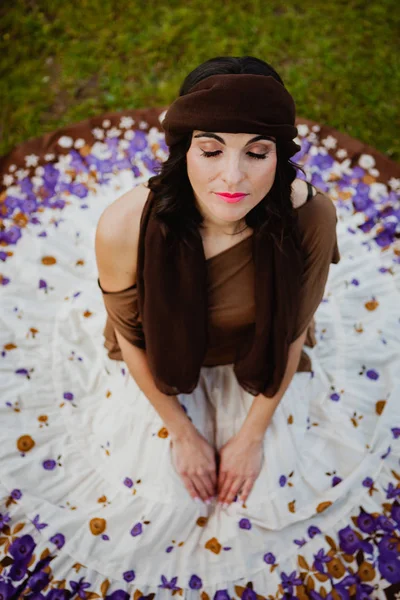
208,501
198,500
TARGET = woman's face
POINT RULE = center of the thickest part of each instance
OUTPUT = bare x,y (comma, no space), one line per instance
232,168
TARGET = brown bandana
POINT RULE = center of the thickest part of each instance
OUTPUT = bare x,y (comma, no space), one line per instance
172,278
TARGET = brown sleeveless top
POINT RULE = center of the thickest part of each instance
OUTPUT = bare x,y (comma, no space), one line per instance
230,291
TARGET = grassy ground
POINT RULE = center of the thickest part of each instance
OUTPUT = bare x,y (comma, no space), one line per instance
61,62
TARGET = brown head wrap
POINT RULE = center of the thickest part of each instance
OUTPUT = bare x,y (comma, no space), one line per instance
172,279
242,103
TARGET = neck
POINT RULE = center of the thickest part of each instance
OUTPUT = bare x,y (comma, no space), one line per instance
224,230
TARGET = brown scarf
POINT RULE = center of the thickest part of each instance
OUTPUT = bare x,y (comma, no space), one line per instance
172,279
172,299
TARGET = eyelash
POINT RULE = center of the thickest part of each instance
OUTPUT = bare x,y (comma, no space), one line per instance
251,154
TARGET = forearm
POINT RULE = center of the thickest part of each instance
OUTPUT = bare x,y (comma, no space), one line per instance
263,408
168,407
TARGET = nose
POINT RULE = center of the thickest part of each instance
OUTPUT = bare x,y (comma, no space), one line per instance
232,171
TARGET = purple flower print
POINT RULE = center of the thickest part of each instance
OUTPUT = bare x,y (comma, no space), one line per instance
364,591
269,558
248,594
348,540
18,571
387,548
313,530
372,374
118,595
4,519
22,548
391,491
38,525
58,595
389,569
169,549
366,522
195,583
288,581
395,512
136,529
79,587
385,523
129,575
58,539
336,480
38,581
16,494
128,482
335,397
368,482
68,396
49,464
222,595
320,559
6,591
282,480
322,161
244,524
396,432
12,235
169,585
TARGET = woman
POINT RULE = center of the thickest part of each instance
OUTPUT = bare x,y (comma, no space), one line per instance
206,389
193,192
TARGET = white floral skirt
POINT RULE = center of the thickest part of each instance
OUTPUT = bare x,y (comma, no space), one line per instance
92,506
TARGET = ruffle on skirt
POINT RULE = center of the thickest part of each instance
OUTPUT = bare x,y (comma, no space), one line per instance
92,506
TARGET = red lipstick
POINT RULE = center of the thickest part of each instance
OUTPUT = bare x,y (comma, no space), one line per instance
231,197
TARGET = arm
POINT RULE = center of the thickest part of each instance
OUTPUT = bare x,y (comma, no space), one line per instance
168,407
261,411
116,242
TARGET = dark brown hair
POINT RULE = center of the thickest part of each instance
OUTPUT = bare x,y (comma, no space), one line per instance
173,194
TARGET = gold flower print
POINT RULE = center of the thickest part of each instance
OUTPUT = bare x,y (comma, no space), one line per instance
336,568
323,506
97,526
379,406
49,260
213,545
372,304
163,433
25,443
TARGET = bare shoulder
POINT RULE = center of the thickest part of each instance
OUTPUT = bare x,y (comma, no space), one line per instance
299,193
117,238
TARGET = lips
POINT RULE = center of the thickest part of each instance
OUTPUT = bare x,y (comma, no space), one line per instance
227,195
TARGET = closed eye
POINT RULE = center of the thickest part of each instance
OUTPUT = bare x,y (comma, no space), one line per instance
251,154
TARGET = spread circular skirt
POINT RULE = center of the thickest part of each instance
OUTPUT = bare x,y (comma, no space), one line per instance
91,504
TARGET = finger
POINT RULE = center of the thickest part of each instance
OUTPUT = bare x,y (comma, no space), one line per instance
193,491
210,483
229,479
232,490
221,482
207,485
248,486
199,484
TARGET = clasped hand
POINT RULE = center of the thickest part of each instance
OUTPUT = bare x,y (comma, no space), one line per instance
207,473
240,461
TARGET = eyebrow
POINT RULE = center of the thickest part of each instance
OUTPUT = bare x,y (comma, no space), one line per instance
220,139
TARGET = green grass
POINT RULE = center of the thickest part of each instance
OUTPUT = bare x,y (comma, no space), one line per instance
61,62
